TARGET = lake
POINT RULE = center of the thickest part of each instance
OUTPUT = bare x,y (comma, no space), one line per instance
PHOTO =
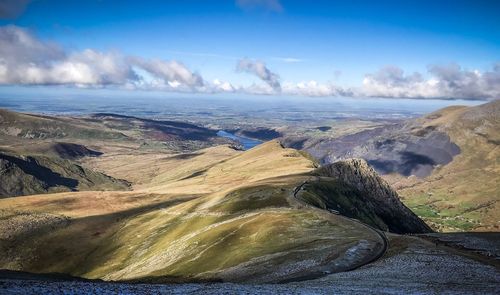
246,142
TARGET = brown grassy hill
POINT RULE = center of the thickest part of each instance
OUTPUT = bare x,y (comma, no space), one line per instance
465,193
232,218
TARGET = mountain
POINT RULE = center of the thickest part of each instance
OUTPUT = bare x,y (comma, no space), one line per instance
43,154
30,126
445,166
464,194
36,134
215,215
26,175
362,194
156,129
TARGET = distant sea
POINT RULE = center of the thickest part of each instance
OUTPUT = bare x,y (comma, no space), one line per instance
161,105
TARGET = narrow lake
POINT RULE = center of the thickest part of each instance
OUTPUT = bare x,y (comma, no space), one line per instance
246,142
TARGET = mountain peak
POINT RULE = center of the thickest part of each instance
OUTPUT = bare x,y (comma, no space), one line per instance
375,192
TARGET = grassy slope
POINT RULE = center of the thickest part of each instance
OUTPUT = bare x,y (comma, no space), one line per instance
232,220
142,168
464,194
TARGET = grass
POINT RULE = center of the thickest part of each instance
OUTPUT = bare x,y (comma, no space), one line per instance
252,198
439,211
462,225
337,196
425,211
233,222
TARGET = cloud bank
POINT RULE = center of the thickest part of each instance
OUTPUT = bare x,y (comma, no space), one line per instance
26,60
313,88
29,61
444,82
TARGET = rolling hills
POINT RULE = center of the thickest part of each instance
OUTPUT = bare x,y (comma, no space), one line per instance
234,218
40,134
40,154
187,207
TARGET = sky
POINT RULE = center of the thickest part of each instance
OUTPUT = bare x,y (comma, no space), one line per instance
395,49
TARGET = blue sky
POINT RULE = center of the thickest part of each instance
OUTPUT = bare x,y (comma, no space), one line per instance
336,44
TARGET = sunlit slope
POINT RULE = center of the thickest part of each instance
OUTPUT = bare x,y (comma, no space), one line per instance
239,222
464,194
264,162
144,169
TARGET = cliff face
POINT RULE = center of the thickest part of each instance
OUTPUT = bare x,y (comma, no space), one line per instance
374,194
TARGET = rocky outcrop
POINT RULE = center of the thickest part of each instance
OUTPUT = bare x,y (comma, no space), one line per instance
375,194
26,175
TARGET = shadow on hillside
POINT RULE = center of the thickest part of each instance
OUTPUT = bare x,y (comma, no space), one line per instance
51,178
77,248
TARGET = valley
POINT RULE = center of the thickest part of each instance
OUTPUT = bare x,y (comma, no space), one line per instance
249,147
138,202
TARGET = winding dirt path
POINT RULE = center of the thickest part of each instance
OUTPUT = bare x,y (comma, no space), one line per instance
377,232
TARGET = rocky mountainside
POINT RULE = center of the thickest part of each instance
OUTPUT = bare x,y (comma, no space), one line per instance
404,148
445,165
374,196
26,175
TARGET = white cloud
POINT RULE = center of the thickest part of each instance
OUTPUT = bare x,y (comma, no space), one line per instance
169,71
26,60
260,89
287,59
222,86
445,82
312,88
259,69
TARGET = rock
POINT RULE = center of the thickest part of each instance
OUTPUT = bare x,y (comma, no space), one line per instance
377,193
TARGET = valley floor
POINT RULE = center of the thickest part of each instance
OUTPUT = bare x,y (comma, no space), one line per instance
411,266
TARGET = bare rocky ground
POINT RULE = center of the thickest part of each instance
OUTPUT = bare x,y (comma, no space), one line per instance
411,266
